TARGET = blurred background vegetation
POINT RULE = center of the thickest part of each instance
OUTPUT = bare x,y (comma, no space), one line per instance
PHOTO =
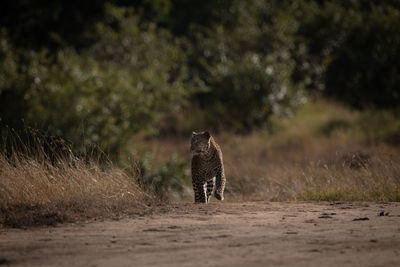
103,71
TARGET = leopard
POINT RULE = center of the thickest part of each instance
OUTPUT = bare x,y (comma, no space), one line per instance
208,174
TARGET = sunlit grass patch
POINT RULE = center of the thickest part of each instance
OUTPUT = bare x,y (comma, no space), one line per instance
38,188
324,152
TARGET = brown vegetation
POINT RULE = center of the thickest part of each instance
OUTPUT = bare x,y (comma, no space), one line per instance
37,191
325,152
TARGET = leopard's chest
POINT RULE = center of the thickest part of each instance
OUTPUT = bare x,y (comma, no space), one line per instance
205,170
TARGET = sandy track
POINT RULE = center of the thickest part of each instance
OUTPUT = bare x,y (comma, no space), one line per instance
228,234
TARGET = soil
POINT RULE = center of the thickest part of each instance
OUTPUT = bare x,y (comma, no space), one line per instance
219,234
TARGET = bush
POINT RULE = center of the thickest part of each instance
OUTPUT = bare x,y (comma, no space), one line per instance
356,46
168,180
246,63
231,64
124,83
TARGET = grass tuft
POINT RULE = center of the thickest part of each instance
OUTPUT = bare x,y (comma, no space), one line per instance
38,187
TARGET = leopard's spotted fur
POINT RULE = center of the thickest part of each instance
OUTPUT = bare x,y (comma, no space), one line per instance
207,168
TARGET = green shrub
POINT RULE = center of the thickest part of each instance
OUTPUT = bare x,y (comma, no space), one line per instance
356,46
246,64
169,179
125,83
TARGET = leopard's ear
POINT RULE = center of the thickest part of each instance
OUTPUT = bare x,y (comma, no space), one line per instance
207,134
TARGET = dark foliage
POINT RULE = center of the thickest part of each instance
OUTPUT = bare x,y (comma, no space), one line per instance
101,71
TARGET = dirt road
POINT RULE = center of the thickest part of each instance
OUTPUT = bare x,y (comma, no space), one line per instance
227,234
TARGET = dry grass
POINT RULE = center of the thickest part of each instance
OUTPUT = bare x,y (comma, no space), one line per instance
350,172
320,154
38,190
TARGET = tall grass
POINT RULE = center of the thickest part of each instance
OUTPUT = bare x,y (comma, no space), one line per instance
348,172
43,182
325,152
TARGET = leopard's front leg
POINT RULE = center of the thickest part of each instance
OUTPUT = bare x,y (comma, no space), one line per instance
220,184
200,192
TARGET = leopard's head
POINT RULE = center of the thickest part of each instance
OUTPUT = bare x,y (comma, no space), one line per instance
200,142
